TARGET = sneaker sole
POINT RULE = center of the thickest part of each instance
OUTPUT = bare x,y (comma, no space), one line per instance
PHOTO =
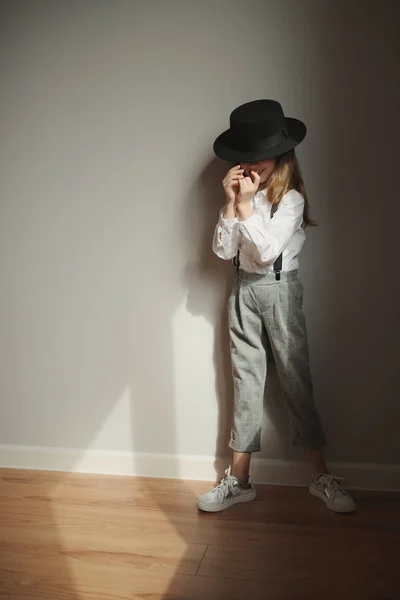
220,507
322,497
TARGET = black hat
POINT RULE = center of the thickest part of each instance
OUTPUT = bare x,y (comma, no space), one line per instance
259,130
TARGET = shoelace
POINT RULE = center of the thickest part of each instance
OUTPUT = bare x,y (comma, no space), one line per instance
332,484
224,487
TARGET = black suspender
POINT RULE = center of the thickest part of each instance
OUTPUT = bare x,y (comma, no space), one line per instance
277,263
278,267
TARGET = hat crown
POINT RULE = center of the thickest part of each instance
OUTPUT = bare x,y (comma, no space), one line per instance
257,120
259,130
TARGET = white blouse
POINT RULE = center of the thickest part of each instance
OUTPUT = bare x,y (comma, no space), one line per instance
260,238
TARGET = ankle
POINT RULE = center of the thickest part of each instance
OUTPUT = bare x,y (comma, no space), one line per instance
317,462
242,479
241,466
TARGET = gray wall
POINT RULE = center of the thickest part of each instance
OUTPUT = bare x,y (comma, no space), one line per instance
112,305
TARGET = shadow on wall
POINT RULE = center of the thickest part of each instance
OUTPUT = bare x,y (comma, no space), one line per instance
208,283
360,324
358,80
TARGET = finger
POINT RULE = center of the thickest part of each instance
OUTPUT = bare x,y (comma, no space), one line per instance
244,186
232,178
248,182
236,168
256,178
233,173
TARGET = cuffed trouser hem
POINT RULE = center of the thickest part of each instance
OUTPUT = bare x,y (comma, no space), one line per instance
307,444
240,447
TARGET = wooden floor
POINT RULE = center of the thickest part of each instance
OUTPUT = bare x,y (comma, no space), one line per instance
81,537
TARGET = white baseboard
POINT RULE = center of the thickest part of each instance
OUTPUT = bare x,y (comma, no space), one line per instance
174,466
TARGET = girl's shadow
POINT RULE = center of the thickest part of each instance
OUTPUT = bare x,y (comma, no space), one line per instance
208,280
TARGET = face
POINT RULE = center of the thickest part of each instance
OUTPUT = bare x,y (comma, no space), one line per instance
263,167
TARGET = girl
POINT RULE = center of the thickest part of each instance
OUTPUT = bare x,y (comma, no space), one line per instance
261,228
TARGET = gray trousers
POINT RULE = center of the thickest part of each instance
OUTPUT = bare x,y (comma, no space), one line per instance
261,305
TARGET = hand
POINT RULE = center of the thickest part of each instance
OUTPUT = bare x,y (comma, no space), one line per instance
248,188
230,183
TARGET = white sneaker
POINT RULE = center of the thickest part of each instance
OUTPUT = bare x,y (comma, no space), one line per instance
328,488
226,494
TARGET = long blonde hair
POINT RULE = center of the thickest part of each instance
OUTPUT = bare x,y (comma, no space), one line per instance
287,176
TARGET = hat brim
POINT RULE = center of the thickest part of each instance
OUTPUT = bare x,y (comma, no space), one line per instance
224,146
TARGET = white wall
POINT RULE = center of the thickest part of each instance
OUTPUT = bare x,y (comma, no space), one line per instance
112,305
